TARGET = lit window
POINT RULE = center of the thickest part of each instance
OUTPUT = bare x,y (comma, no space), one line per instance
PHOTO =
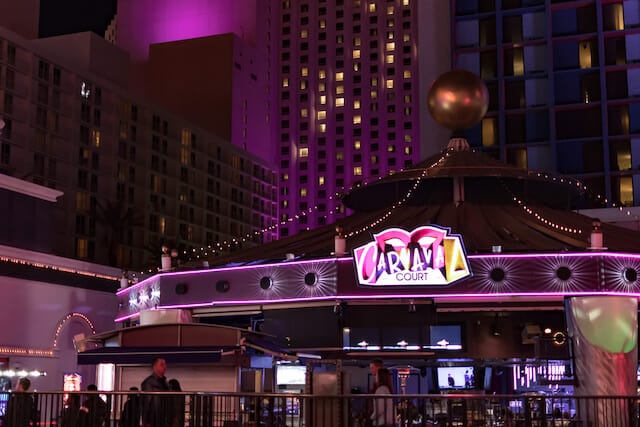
285,203
389,59
85,90
357,170
81,248
285,82
391,45
323,99
390,35
82,201
321,115
357,120
390,23
339,155
372,7
356,104
356,145
304,71
322,74
374,81
357,41
303,85
95,137
356,54
162,225
322,127
339,102
321,180
356,66
339,90
406,38
390,10
285,177
304,34
303,192
323,24
322,87
406,74
304,152
389,84
407,150
339,76
374,160
374,94
304,113
407,99
405,2
408,138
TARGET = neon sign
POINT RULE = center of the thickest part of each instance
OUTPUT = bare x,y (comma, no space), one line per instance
428,255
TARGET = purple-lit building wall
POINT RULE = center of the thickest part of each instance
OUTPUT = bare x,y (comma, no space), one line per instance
145,22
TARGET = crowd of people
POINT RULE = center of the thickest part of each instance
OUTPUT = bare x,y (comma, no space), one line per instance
148,410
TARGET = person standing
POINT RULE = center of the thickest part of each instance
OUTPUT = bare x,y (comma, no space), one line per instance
21,408
130,416
156,410
178,403
97,411
383,409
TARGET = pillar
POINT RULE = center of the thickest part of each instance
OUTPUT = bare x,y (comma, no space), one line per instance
604,337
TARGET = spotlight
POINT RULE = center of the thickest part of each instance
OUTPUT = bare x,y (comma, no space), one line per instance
266,282
310,279
630,274
222,286
412,307
563,273
496,330
497,275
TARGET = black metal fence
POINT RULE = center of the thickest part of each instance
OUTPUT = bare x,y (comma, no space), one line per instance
115,409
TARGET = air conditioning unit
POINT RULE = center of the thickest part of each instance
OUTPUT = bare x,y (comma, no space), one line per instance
530,333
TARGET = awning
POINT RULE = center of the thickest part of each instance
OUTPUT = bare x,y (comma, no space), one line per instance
144,355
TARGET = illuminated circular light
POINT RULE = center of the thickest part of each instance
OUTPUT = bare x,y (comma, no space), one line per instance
630,274
559,338
266,282
310,279
497,274
563,273
222,286
547,330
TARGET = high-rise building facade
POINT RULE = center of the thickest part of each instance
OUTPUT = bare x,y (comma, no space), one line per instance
564,83
133,175
348,106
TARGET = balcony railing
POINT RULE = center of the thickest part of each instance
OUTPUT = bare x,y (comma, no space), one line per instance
81,409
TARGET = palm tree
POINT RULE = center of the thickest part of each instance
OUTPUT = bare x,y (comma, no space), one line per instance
118,219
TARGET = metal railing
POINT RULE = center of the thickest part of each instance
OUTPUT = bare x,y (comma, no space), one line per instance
124,409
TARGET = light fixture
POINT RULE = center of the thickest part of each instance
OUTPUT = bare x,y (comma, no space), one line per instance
412,306
310,279
266,282
496,329
222,286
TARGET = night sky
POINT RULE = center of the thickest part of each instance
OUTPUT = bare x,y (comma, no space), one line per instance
59,17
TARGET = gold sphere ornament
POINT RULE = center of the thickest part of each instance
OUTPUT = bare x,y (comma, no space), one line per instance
458,99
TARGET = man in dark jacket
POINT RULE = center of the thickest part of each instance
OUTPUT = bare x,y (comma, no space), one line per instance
156,410
21,408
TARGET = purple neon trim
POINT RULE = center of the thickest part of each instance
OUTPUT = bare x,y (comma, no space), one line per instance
241,267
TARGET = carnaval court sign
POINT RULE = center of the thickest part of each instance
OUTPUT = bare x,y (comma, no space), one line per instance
428,255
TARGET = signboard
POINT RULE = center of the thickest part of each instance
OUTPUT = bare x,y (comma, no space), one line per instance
428,255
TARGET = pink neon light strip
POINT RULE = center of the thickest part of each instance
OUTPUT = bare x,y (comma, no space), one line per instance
223,269
350,259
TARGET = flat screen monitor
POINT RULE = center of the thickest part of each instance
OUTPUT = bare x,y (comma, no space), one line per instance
456,377
445,337
291,375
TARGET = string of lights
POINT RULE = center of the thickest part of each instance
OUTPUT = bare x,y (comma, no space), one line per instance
65,319
56,268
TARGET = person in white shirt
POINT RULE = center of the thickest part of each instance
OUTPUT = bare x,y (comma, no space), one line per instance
384,414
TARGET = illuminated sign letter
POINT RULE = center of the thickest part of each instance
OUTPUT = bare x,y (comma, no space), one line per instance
428,255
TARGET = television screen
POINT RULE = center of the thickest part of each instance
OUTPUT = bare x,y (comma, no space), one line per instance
456,377
290,375
445,337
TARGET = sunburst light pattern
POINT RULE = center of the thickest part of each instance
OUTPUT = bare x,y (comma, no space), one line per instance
310,279
622,274
567,274
497,274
